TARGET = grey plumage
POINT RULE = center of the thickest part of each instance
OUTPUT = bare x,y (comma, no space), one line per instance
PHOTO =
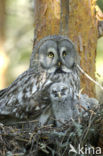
2,92
87,104
58,42
62,102
53,60
65,105
61,108
19,99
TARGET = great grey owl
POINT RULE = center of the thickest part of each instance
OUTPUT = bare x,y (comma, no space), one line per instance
53,60
61,107
86,104
62,103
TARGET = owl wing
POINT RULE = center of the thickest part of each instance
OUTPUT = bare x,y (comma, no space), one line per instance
22,99
2,92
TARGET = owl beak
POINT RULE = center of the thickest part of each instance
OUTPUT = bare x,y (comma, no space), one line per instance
59,95
59,63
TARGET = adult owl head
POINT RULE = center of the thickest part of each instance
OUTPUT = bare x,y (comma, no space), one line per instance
55,53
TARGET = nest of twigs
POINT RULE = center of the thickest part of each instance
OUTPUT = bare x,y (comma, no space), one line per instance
49,140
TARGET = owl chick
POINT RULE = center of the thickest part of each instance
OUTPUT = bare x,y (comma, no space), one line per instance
61,103
86,104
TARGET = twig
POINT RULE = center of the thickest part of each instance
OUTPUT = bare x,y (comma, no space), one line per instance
24,122
88,128
86,110
20,139
89,77
18,154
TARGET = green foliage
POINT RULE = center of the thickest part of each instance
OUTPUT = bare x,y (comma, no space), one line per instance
100,4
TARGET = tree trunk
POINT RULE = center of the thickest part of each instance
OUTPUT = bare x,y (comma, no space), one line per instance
3,57
75,19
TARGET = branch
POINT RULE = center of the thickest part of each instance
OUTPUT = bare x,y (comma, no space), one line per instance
82,71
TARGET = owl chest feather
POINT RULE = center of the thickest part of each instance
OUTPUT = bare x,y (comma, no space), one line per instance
62,112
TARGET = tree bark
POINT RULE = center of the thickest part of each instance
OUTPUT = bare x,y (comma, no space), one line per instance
75,19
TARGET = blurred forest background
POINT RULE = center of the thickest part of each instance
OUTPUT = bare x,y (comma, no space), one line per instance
16,40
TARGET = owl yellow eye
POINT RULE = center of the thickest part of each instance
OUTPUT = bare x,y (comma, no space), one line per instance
64,53
51,55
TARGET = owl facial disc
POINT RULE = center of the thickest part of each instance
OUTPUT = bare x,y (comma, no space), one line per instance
59,91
